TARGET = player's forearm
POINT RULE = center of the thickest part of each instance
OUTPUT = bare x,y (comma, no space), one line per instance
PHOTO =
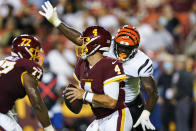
39,108
30,85
104,100
150,88
70,33
50,13
151,101
42,113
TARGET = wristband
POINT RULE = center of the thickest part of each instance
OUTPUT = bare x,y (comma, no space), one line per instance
57,22
49,128
89,97
84,95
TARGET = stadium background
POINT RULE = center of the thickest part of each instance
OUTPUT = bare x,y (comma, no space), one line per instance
167,29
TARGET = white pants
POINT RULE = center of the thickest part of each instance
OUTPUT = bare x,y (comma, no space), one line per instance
117,121
9,123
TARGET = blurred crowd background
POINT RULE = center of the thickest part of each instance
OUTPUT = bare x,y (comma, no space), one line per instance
168,36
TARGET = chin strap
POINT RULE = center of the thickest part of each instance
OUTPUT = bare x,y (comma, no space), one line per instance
84,56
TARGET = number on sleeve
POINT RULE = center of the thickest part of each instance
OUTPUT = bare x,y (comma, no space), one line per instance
117,69
6,66
37,72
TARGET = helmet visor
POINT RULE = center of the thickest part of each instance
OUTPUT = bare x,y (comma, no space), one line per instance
123,51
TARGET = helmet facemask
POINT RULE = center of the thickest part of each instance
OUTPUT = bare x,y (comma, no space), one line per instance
95,38
37,55
83,51
124,52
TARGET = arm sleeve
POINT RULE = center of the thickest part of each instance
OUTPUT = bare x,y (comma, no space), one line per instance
146,69
114,72
112,89
33,68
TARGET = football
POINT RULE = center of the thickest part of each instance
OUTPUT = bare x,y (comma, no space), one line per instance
76,105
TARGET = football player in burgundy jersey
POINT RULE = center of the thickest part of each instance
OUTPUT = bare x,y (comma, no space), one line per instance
99,80
19,76
137,67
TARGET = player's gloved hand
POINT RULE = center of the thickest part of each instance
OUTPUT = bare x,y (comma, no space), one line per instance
50,14
144,121
49,128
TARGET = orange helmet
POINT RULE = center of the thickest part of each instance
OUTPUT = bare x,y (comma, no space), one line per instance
126,41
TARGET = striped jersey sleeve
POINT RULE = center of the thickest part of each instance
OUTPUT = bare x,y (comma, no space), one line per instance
145,69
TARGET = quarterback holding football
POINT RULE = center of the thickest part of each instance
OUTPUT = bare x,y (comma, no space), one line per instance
137,67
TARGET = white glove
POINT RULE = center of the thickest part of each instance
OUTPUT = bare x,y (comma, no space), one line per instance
50,14
144,121
49,128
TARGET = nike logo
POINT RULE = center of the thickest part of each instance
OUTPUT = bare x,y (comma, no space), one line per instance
139,106
114,62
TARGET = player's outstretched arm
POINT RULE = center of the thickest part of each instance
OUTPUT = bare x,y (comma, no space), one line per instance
150,88
50,13
30,84
70,33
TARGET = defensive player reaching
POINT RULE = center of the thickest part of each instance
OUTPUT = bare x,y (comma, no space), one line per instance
99,80
137,67
19,76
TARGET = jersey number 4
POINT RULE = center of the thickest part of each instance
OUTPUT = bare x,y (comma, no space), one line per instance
6,66
117,70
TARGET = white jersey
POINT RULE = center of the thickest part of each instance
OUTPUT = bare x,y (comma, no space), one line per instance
138,66
8,123
120,120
